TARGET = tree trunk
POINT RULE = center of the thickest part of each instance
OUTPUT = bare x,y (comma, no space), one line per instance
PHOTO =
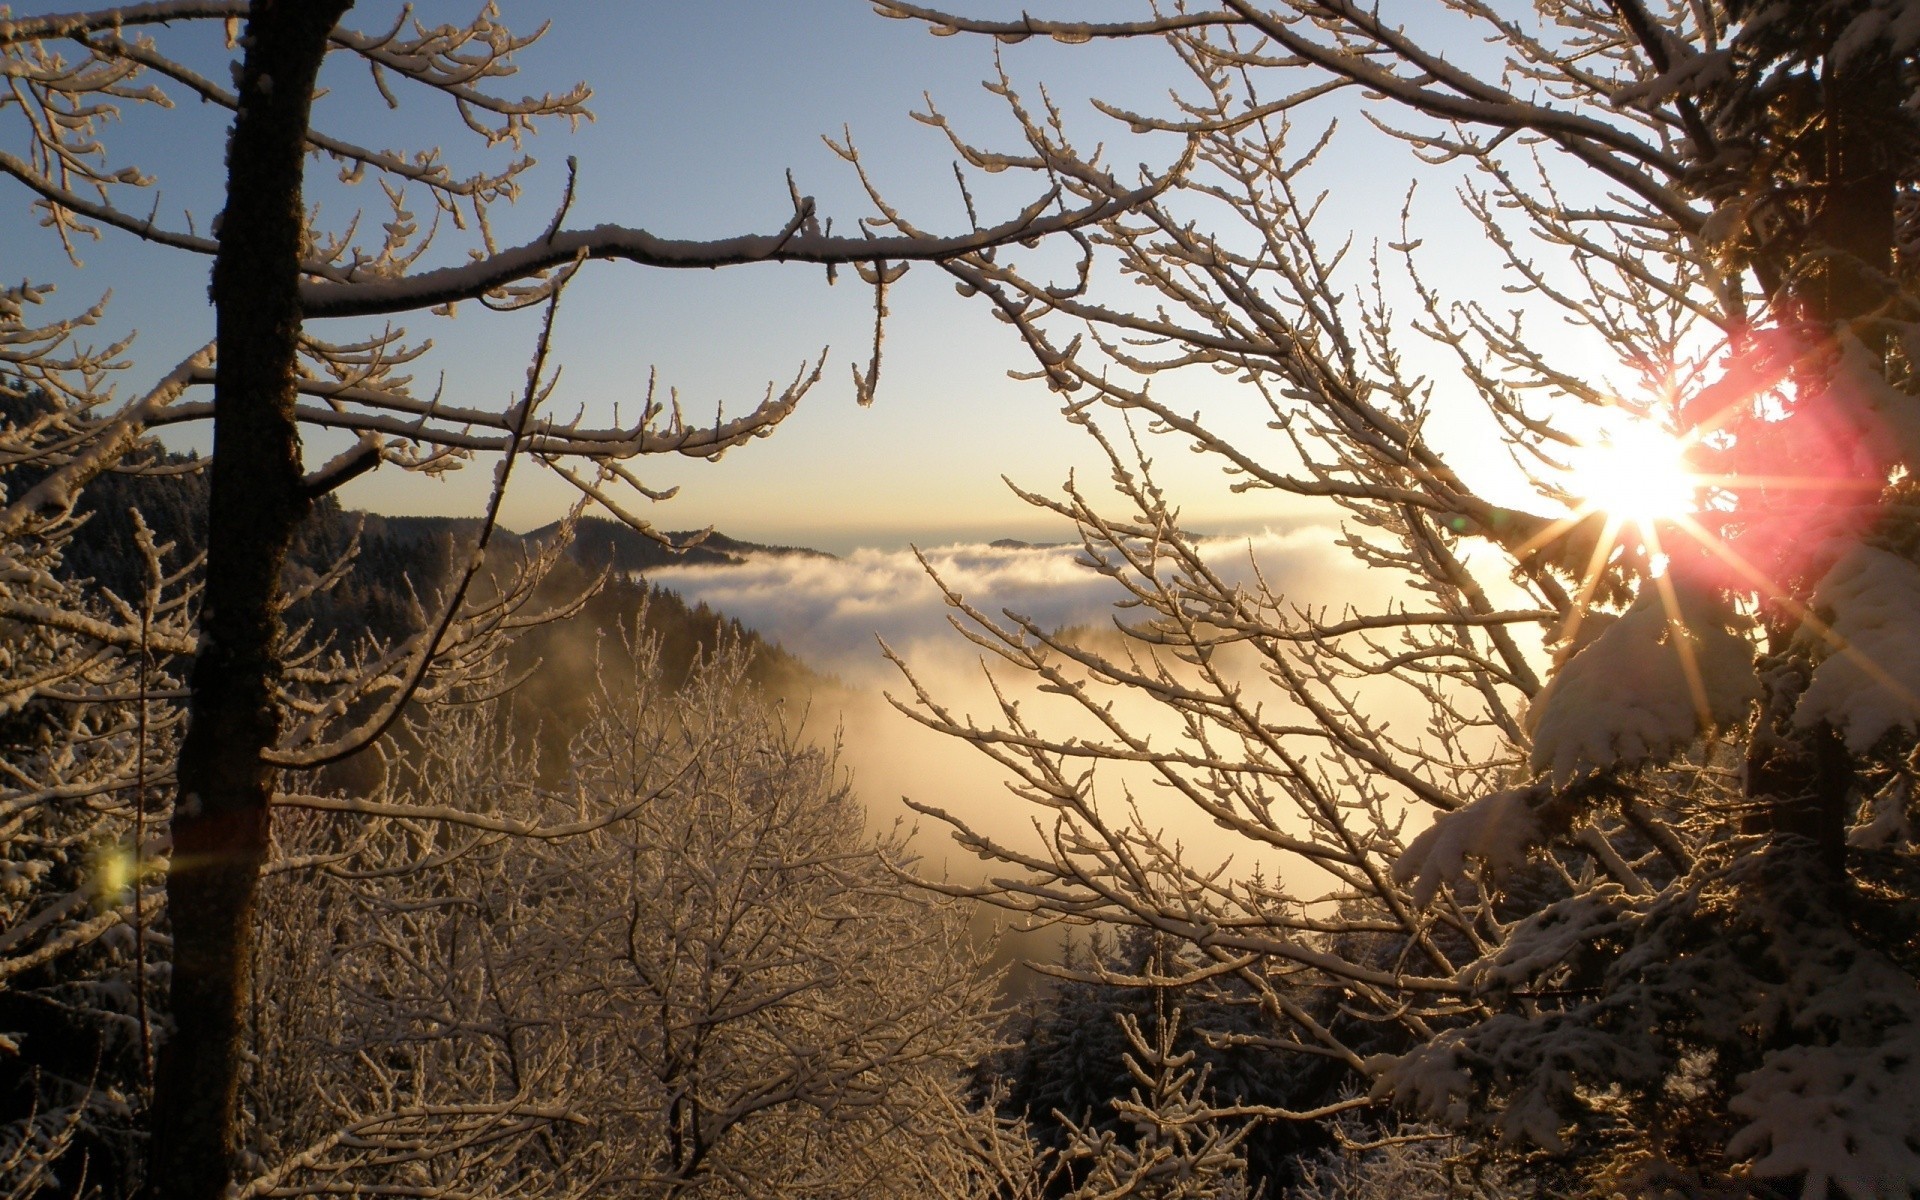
1805,777
220,825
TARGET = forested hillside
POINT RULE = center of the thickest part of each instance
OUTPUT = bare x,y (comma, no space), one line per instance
397,567
496,929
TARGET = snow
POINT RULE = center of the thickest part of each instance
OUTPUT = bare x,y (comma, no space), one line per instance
366,297
1869,681
1844,1114
1434,1082
1557,934
1892,24
1495,829
1438,1080
1691,71
1573,637
1749,947
1889,417
1842,1104
1626,698
1888,825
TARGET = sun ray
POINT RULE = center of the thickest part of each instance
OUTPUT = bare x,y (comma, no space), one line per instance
1635,470
1682,636
1807,618
1811,483
1554,529
1590,578
1638,475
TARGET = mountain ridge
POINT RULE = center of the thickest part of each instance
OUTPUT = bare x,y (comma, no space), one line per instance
600,543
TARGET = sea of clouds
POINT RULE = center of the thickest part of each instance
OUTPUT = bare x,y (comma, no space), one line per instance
832,612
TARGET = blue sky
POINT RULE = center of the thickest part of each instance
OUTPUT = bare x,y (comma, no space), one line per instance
701,110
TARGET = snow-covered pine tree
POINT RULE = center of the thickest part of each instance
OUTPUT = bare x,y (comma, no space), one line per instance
1072,1059
1644,907
1181,1148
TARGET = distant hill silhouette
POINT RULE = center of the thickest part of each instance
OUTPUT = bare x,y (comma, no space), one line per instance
403,565
601,543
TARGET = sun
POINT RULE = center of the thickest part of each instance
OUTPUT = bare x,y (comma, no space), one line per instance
1634,471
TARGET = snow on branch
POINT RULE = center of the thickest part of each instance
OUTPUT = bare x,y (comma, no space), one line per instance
59,25
1497,829
473,280
60,486
1839,1102
1844,1114
1363,48
1658,677
1869,680
1072,32
1888,417
486,822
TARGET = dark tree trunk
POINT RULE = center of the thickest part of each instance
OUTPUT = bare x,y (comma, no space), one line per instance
1838,275
220,824
1853,232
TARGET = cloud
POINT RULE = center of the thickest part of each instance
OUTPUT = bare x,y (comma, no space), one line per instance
829,611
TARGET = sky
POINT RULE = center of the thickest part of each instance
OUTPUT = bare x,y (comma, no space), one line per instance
701,110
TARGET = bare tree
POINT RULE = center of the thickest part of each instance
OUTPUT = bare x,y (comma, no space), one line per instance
265,373
684,969
1410,1162
1657,923
88,726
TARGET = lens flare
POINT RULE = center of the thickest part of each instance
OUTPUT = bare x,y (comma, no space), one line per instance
1636,472
114,870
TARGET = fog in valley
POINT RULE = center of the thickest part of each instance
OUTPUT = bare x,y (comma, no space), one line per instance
834,613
